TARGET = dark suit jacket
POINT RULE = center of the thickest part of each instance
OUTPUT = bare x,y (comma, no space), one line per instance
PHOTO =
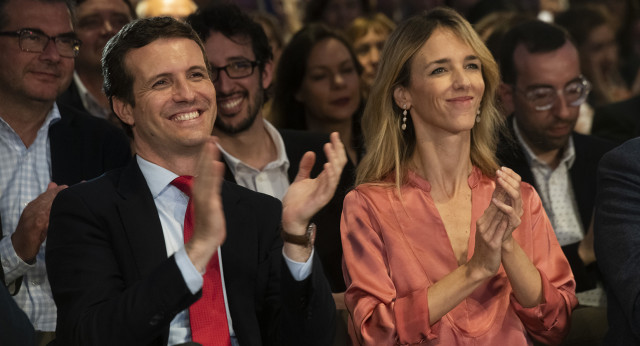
83,147
328,243
617,240
114,285
15,327
588,150
71,98
617,122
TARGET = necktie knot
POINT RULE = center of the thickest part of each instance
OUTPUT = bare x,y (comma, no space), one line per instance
184,183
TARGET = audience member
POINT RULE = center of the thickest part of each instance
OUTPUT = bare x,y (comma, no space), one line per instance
543,84
258,156
595,38
318,86
43,146
367,36
119,271
337,14
178,9
97,21
617,240
619,121
441,245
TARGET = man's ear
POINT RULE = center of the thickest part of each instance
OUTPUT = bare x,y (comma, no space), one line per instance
123,110
506,98
267,74
402,97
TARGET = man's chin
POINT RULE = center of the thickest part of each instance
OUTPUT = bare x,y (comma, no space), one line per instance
230,129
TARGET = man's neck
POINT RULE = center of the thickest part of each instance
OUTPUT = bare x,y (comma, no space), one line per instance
550,157
92,81
24,116
253,146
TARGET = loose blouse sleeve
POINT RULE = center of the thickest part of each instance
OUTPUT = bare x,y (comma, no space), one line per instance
549,321
379,316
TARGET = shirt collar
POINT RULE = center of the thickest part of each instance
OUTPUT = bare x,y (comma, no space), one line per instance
158,178
52,117
281,161
568,153
88,101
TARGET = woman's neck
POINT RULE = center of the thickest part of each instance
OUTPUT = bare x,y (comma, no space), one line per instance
445,163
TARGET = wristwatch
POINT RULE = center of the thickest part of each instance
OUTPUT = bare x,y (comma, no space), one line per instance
307,239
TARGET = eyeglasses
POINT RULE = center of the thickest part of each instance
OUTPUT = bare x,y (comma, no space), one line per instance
35,41
235,70
542,98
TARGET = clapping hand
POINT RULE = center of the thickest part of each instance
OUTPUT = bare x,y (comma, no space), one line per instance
306,196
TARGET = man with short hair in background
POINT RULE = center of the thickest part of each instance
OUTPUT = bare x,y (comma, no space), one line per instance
543,84
43,146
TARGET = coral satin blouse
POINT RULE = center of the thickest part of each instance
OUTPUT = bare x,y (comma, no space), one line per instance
395,250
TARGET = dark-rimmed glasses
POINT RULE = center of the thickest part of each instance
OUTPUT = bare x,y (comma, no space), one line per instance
235,70
35,41
542,98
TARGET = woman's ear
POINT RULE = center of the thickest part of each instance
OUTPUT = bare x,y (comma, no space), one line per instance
402,97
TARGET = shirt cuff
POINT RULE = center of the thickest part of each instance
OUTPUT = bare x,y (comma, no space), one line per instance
299,270
12,265
190,274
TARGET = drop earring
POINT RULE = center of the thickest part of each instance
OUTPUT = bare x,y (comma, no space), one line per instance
478,116
404,118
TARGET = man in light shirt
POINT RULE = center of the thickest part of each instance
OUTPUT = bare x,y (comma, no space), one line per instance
121,271
43,146
543,84
257,155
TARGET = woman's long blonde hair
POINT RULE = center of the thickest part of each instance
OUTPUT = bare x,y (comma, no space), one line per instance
388,147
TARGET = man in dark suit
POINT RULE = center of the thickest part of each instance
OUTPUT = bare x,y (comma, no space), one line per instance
542,83
257,155
617,240
97,21
43,147
617,122
121,271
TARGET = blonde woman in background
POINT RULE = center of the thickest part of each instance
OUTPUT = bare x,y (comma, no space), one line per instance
367,35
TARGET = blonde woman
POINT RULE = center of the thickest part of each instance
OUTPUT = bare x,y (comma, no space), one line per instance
441,245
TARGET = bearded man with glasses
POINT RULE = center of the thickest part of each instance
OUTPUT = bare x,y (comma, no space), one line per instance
43,147
543,85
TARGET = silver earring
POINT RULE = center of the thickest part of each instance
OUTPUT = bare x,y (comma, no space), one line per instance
404,118
478,116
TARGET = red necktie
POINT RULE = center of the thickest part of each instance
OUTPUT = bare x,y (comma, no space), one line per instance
208,315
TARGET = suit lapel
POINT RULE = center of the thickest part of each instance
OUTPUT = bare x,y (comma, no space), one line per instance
140,219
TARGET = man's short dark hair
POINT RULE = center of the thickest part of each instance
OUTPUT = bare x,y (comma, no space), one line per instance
233,23
118,81
4,18
537,37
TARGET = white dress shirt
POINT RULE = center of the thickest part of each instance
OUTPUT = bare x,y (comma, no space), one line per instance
172,206
558,199
273,179
88,101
